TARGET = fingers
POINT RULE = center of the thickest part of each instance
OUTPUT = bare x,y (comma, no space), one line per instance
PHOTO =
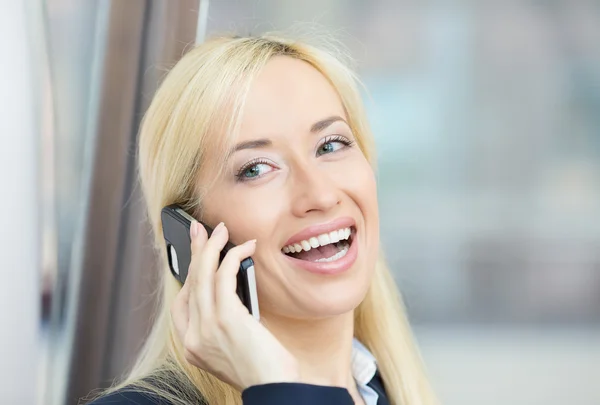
198,237
226,281
190,303
209,293
208,317
203,265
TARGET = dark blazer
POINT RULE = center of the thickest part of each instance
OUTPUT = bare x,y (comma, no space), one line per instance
268,394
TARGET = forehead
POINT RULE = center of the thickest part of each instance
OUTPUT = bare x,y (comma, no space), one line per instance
288,95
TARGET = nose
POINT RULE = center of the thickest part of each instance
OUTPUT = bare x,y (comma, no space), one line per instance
313,191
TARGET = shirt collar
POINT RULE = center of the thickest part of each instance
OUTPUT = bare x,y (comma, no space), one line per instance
364,365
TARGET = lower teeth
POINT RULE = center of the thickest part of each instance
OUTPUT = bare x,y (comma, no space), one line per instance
336,256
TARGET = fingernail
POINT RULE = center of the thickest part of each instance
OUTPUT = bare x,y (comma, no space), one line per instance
251,241
194,229
219,228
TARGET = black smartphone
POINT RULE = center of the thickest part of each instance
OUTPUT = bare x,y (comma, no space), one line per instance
176,231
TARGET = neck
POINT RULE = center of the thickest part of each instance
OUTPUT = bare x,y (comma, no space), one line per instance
323,347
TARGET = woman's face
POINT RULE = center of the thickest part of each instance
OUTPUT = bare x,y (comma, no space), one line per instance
296,180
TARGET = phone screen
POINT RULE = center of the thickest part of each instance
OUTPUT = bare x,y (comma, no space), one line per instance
176,224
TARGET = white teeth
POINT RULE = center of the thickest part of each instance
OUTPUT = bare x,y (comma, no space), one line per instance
319,240
336,256
324,239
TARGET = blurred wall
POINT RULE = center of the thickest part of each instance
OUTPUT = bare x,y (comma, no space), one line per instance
107,58
19,215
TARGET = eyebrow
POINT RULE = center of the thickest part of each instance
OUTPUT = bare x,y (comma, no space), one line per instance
264,142
324,123
256,143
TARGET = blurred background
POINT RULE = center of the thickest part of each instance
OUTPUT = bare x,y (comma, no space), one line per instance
487,119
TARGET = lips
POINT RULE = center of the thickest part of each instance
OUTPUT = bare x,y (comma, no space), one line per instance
320,230
319,240
324,249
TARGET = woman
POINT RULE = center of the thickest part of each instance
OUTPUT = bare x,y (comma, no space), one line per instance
265,139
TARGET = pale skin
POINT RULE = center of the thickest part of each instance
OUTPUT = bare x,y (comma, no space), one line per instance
304,174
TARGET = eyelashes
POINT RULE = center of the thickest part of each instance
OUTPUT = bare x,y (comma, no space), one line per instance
241,174
252,170
345,142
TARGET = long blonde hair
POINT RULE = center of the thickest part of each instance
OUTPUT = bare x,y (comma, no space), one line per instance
198,108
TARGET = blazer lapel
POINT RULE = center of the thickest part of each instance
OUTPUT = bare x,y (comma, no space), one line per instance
377,385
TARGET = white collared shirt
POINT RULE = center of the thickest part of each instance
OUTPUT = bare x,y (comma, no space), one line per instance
364,367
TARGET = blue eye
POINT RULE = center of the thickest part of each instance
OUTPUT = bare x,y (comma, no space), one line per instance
253,170
333,144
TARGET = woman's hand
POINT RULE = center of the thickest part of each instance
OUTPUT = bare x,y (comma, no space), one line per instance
217,332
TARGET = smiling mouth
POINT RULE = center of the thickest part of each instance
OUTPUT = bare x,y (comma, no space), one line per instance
327,247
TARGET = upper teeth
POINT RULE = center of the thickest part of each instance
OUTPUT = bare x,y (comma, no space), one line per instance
316,241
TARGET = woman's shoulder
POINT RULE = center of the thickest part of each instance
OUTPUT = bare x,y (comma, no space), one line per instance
130,396
267,394
160,387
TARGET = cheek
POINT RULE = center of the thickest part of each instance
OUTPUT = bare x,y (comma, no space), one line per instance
252,215
362,187
272,293
246,215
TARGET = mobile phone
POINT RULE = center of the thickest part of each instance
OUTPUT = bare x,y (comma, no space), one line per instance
176,230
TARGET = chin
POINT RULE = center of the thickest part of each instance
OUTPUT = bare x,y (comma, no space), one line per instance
307,295
329,302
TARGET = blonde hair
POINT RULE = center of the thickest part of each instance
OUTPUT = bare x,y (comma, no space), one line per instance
198,108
